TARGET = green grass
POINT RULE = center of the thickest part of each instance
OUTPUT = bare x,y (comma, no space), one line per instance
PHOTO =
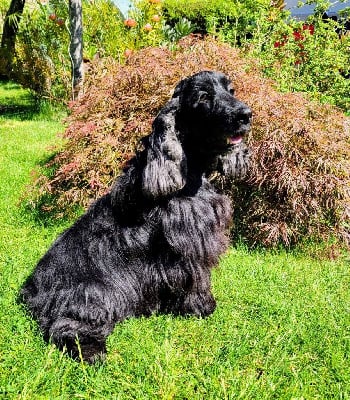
19,105
280,331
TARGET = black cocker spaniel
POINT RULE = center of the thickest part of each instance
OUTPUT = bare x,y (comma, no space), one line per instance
148,246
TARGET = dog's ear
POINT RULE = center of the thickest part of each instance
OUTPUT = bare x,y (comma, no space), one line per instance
179,88
166,168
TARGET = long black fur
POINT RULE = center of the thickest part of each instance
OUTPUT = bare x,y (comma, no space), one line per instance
149,245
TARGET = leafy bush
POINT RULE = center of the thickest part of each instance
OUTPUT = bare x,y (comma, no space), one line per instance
314,60
202,14
42,60
148,30
232,20
183,27
103,29
299,183
42,63
311,56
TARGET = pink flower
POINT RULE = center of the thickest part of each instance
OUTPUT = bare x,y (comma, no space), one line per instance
155,18
128,52
147,27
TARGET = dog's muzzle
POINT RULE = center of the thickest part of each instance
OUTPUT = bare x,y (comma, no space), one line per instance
241,125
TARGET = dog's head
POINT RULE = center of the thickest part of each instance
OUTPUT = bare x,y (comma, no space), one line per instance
201,127
212,117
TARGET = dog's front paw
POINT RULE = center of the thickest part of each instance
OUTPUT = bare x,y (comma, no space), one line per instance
93,352
86,349
199,304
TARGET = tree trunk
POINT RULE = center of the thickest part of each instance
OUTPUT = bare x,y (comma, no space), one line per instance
76,47
8,41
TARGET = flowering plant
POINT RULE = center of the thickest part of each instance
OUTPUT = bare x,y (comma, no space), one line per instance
143,27
311,56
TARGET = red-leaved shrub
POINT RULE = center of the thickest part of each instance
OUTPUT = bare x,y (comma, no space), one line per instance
299,183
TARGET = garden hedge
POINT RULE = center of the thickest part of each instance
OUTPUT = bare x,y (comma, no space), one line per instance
299,183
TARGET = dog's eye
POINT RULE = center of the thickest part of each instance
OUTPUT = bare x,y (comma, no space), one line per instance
203,97
231,90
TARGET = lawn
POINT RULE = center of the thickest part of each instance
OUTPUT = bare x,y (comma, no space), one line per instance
281,329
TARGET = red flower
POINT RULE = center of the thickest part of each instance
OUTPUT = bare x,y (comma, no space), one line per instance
60,21
310,28
298,35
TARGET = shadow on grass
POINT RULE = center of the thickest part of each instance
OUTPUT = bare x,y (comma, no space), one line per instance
21,112
20,104
40,206
46,213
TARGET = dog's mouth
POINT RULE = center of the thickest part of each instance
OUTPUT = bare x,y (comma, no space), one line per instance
237,134
234,140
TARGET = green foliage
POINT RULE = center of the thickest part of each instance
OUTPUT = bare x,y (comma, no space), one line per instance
232,20
148,29
309,57
202,13
172,35
42,60
103,29
316,63
107,33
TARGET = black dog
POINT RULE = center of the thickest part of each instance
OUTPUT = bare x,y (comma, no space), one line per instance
149,245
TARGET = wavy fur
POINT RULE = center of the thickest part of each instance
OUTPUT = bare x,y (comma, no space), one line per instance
148,246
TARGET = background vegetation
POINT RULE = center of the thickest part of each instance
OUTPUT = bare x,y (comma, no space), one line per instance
311,56
299,183
281,329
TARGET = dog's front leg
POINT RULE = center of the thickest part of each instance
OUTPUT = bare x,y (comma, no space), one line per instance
198,299
200,304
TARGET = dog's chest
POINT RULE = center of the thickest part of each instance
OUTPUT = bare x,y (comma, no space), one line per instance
196,226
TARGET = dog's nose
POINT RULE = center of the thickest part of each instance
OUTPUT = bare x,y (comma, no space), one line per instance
245,115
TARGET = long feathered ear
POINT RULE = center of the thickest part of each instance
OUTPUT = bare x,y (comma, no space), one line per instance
180,87
166,168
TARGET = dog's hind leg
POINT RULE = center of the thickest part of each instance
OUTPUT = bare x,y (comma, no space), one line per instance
83,321
81,339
